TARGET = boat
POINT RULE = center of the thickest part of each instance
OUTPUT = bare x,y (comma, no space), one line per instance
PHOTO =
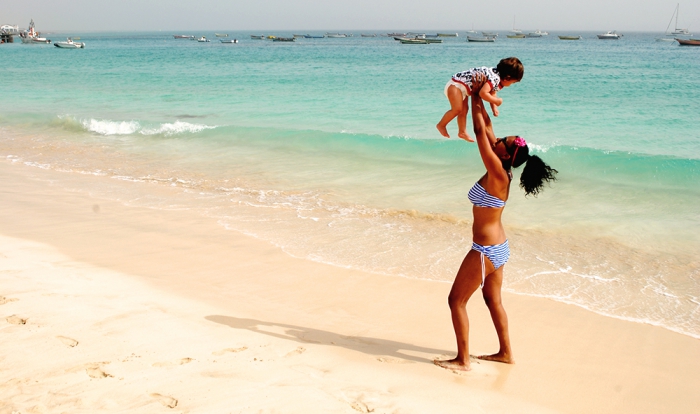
514,30
688,42
396,34
271,37
203,39
480,39
298,36
537,33
676,30
308,36
570,37
414,41
489,34
368,35
70,44
335,35
31,36
448,34
221,34
609,35
284,39
516,36
228,40
432,40
183,37
257,37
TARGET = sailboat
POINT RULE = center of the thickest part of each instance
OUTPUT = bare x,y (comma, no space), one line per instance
676,30
516,31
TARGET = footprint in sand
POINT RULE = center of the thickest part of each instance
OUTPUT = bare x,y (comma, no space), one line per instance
224,351
68,341
16,320
4,300
393,360
182,361
361,407
95,370
298,351
166,400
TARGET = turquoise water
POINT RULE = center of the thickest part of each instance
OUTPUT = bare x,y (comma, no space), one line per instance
328,149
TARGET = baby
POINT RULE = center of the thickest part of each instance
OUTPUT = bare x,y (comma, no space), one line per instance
459,88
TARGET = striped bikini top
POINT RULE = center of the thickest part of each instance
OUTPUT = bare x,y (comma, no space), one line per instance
480,198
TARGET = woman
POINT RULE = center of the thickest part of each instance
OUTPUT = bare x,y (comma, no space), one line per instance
483,265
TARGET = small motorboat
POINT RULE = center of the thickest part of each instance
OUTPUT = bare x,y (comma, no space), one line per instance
221,34
31,36
368,35
336,35
537,33
183,37
516,36
203,39
257,37
414,41
284,39
688,42
448,34
570,37
480,39
308,36
612,35
228,40
70,44
489,34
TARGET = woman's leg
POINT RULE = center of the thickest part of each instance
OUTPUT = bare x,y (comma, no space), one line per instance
466,283
492,297
454,95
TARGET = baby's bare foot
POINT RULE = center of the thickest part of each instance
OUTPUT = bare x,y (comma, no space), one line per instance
443,130
466,137
453,365
499,357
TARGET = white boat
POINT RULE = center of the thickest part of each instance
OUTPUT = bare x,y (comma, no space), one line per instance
70,44
480,39
221,34
335,35
257,37
514,30
676,30
228,40
368,35
183,37
489,34
537,33
203,39
31,36
611,35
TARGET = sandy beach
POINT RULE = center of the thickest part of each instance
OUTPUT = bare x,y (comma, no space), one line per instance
108,307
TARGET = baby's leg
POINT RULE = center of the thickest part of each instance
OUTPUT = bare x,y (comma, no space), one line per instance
462,121
456,103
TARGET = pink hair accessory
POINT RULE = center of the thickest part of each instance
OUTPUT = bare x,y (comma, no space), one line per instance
520,142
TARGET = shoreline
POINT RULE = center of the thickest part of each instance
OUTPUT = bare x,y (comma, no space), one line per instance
158,294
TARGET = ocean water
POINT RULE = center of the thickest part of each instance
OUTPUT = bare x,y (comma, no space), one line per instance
328,149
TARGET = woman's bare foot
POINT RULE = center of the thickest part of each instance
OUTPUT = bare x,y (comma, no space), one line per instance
499,357
443,130
465,137
453,365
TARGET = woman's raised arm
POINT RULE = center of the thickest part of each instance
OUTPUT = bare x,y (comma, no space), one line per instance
485,138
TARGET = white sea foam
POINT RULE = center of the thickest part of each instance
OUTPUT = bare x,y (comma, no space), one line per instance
108,127
177,127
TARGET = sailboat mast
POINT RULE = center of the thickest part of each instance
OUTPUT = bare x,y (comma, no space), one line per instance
678,5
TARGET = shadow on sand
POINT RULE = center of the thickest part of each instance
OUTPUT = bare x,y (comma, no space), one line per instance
391,351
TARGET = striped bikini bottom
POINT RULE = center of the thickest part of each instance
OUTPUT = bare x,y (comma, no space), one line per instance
498,254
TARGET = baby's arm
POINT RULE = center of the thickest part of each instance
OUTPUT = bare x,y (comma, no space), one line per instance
489,95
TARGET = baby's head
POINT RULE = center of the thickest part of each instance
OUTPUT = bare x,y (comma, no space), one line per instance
511,70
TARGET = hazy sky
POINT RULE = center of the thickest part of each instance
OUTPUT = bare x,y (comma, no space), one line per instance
258,15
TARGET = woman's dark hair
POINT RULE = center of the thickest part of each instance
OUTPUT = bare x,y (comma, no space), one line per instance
535,173
511,68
